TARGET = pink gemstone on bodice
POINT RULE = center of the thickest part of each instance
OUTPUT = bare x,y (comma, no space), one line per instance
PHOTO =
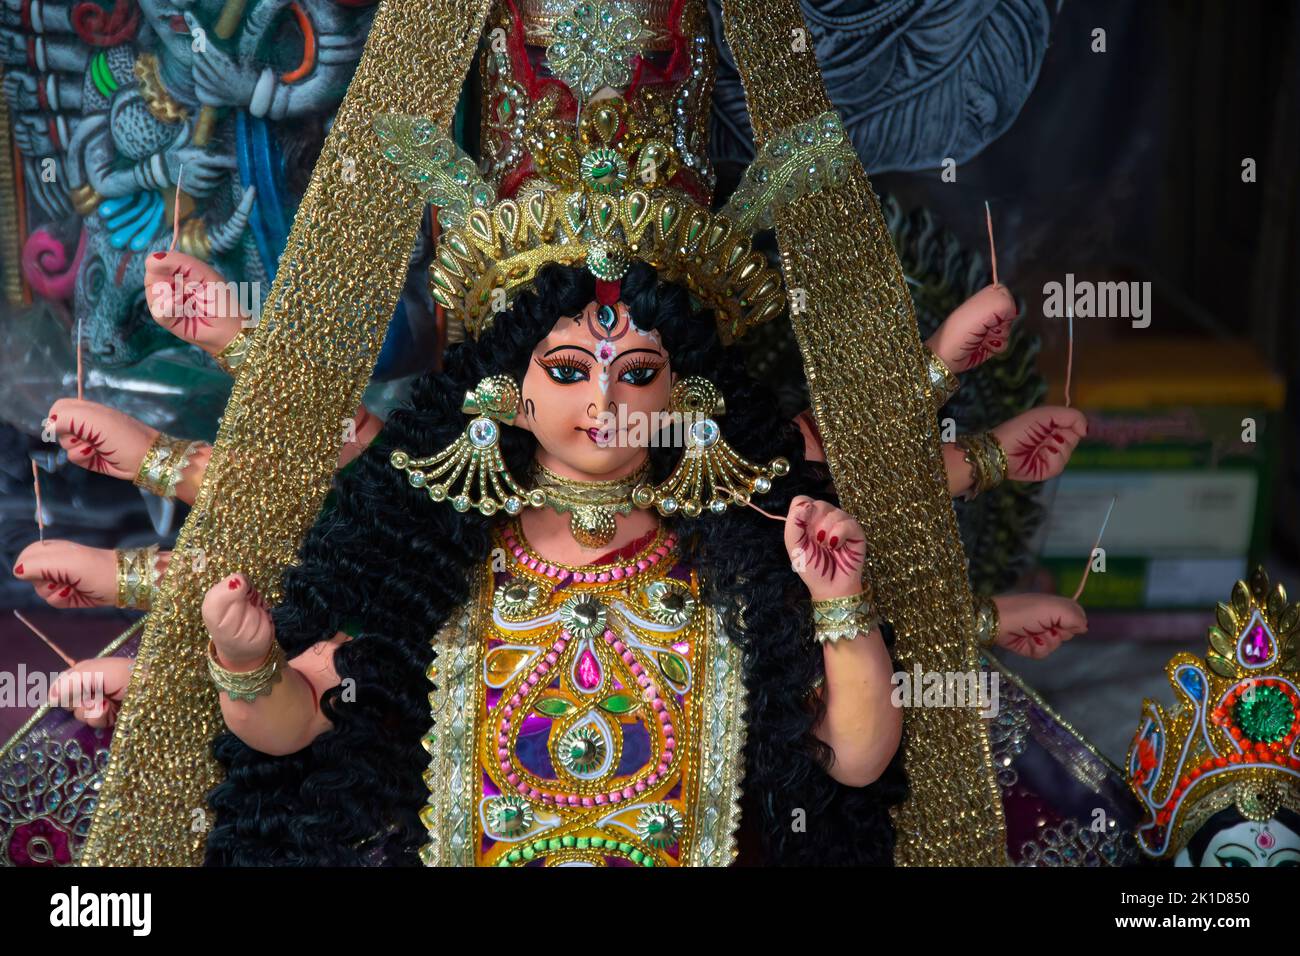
1257,648
588,670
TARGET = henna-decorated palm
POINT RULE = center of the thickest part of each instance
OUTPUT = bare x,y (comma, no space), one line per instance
827,548
102,439
238,622
1040,441
93,689
203,313
976,330
66,574
1034,625
209,316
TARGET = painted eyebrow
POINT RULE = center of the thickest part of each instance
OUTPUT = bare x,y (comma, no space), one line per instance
634,351
562,348
577,347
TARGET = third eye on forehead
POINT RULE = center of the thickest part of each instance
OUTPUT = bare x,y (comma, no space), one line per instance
567,332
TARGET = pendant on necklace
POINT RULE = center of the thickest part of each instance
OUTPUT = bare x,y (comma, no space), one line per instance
592,527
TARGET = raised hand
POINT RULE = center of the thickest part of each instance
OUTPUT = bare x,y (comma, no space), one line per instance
203,313
1040,441
1034,625
976,330
66,574
238,622
827,548
93,689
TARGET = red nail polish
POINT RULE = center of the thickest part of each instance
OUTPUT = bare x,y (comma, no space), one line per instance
160,255
834,540
234,584
1038,640
18,570
52,585
54,418
821,535
66,591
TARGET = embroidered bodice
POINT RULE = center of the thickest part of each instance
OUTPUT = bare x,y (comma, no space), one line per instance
584,717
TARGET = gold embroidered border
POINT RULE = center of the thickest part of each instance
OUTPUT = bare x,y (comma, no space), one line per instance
452,776
866,371
722,745
325,318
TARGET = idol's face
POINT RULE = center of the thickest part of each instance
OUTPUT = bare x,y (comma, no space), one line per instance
592,378
1271,843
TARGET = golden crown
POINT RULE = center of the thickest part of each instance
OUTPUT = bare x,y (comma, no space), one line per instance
1231,740
607,180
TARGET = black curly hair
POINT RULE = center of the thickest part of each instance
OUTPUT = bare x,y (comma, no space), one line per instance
388,565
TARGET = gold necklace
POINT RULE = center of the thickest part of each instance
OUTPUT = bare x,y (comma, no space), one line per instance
590,505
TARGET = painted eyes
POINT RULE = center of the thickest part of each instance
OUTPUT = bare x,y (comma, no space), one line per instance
640,373
569,370
566,370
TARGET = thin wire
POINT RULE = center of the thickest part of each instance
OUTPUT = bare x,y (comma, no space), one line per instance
80,392
48,643
1095,546
993,252
766,514
1069,353
176,209
40,517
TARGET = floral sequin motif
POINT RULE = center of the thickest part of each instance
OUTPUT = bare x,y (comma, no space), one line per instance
580,740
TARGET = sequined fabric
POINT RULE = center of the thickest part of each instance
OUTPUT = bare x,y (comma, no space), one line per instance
310,359
592,723
866,371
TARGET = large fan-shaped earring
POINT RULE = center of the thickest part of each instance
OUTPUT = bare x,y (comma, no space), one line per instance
710,474
473,461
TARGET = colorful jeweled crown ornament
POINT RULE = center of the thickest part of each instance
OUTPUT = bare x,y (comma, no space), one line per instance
1231,740
603,166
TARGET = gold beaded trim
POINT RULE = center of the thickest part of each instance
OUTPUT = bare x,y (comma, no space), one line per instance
521,567
137,577
277,447
865,367
164,465
987,460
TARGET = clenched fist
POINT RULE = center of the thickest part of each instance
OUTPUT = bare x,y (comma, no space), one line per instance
827,548
238,622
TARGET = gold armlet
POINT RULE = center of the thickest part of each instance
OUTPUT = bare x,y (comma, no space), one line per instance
987,460
986,621
942,380
137,577
248,685
164,465
230,358
843,619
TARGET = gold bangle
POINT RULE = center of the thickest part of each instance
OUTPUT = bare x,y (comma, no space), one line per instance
164,465
986,621
247,685
942,380
137,577
987,460
843,619
230,358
